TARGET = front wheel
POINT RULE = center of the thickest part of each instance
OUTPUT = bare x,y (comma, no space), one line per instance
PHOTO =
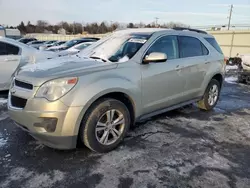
211,96
105,125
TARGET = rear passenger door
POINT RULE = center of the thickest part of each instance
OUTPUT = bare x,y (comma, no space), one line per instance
194,56
9,61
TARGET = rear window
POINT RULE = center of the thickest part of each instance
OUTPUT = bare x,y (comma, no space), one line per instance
190,47
214,43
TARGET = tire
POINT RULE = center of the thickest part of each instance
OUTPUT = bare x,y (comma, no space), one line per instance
98,114
206,103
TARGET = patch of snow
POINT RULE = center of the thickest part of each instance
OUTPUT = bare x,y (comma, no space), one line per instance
3,101
3,116
231,79
3,141
33,179
234,67
8,155
45,179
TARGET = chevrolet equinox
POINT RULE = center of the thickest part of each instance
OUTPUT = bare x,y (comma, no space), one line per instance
130,75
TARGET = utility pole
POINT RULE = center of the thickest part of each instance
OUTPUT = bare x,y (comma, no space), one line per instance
230,16
156,21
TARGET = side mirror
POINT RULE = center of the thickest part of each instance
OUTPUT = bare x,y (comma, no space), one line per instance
155,57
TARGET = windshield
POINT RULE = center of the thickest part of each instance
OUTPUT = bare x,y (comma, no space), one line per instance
82,46
116,48
70,43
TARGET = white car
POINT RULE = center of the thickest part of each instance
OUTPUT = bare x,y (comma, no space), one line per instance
49,44
36,44
13,55
74,49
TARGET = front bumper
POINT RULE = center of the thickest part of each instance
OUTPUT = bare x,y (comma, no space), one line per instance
64,136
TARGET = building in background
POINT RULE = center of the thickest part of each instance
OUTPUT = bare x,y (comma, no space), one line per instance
13,33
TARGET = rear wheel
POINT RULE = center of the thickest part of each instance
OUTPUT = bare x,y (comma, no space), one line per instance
211,96
105,125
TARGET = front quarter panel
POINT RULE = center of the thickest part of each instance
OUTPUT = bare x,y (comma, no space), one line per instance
125,79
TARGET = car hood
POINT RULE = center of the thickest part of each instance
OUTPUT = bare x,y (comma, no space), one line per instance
61,67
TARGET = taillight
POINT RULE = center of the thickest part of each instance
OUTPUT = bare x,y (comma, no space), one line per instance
225,60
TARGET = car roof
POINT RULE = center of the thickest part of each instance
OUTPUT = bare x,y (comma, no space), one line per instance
151,31
13,42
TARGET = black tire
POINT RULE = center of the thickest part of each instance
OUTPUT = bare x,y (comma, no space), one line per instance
88,126
204,104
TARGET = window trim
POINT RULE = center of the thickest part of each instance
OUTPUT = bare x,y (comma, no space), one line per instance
205,48
200,45
152,43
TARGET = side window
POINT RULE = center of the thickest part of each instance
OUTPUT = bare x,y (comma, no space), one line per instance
3,48
190,47
167,45
11,49
204,49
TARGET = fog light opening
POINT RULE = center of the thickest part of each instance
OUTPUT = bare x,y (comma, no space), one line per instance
49,124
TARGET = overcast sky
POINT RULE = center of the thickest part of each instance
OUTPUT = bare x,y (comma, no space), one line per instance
191,12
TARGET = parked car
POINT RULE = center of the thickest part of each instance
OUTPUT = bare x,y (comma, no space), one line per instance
72,43
36,44
244,69
48,44
126,77
26,40
53,46
75,49
14,55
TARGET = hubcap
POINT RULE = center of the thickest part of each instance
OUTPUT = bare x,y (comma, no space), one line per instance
110,127
213,95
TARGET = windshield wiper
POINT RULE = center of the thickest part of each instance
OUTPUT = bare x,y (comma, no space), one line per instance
94,57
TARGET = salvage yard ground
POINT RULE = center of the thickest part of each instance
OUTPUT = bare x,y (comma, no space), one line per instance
183,148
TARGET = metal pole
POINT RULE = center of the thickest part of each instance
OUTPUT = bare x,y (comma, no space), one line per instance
156,21
230,17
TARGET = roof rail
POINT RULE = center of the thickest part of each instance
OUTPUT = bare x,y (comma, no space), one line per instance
189,29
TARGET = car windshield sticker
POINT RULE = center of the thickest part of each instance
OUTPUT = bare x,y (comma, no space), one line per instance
142,41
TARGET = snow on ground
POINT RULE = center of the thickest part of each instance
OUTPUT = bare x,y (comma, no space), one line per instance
234,67
3,101
3,141
231,79
34,179
231,68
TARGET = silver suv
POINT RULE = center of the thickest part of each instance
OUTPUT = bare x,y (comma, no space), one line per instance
133,74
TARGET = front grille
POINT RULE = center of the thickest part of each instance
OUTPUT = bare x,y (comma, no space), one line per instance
18,102
23,85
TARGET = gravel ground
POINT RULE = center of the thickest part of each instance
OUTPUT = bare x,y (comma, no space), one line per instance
182,148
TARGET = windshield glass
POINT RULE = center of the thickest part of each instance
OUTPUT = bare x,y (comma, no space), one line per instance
70,43
116,48
82,46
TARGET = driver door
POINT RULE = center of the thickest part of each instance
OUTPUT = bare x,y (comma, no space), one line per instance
162,85
9,61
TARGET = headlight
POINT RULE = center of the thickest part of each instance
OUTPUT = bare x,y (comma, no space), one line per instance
55,89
